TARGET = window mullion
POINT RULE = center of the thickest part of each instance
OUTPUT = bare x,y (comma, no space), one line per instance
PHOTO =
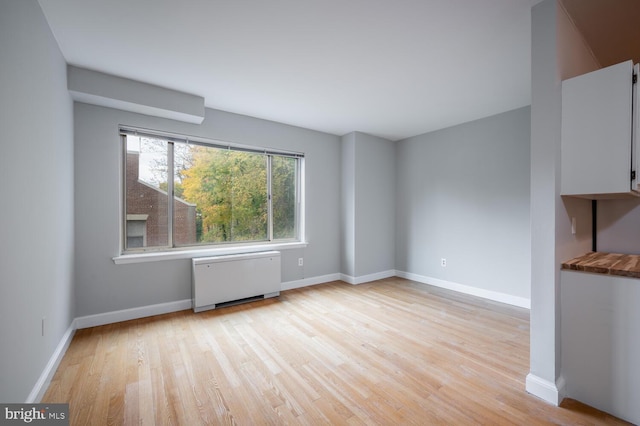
170,202
123,233
269,200
299,211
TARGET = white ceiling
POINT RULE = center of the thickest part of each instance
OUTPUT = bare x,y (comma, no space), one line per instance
391,68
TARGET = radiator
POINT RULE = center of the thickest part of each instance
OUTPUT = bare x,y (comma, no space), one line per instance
224,280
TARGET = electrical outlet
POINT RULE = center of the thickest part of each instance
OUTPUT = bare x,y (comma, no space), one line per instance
300,261
443,262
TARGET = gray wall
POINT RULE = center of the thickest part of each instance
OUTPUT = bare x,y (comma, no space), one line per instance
375,209
348,206
36,168
463,195
103,286
368,208
545,160
557,53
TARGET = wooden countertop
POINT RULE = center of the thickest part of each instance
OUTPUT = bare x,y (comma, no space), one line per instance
624,265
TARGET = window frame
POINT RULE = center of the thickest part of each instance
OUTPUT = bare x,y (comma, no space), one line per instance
231,246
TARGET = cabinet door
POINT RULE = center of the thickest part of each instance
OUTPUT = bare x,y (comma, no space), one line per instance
596,132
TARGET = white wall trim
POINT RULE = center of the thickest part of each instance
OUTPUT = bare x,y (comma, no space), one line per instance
179,305
125,259
551,392
367,278
133,313
305,282
466,289
347,278
561,385
535,385
50,369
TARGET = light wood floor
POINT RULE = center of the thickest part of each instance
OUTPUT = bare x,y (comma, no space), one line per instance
389,352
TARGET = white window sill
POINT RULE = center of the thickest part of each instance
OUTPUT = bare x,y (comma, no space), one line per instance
203,252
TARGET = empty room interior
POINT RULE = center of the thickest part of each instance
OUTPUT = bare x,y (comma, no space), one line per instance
325,212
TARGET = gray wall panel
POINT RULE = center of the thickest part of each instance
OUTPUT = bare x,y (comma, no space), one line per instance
36,168
463,195
103,286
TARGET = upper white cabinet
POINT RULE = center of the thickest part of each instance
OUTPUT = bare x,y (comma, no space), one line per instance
597,149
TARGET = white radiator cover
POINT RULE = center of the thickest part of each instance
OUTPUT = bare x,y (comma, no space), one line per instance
222,279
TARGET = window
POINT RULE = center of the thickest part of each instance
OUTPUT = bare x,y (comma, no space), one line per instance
184,193
136,230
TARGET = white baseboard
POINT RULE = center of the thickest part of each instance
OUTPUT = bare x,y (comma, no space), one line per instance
367,278
290,285
466,289
133,313
50,369
164,308
535,385
347,278
551,392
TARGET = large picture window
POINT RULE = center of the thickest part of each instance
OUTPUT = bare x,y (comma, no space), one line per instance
180,192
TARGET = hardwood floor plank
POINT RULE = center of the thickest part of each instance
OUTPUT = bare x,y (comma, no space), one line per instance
390,351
